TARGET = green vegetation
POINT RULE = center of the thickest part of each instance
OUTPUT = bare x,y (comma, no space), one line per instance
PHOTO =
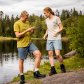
73,23
75,33
6,22
73,63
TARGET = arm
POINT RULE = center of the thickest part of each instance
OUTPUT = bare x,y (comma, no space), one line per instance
46,34
22,33
60,27
32,31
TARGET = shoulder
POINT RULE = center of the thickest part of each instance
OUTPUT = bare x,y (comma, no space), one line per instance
56,17
17,22
46,19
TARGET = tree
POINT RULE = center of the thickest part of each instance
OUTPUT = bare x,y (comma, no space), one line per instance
80,13
1,14
57,13
76,35
39,28
41,18
65,14
74,13
11,26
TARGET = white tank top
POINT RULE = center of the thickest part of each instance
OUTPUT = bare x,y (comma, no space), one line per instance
52,25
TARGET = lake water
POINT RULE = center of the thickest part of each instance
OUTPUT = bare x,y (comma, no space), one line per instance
9,61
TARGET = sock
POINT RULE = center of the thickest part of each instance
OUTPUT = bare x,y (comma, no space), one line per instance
21,73
36,69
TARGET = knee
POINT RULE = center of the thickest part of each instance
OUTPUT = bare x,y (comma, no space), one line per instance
21,62
58,56
38,54
50,54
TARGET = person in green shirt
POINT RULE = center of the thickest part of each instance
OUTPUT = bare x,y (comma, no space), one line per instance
23,32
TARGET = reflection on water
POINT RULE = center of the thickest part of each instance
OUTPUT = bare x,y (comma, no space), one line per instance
7,48
9,62
9,67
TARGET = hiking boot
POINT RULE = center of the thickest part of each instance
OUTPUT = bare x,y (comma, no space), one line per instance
22,79
62,67
38,75
52,71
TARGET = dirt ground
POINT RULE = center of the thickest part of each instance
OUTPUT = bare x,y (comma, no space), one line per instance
76,77
65,78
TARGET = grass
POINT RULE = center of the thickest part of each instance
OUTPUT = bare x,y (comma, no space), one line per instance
28,77
6,38
72,64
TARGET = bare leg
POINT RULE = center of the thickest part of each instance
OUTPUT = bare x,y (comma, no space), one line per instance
58,56
50,54
21,66
60,59
51,58
37,55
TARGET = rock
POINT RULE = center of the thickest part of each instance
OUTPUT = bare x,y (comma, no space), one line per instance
65,78
76,77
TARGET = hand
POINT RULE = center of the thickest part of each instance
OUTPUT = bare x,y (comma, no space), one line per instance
33,28
30,29
55,34
44,37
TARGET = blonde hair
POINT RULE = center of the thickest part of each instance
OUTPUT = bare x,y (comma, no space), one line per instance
24,12
48,9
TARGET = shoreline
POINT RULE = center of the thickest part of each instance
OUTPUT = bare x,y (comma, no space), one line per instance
65,39
7,38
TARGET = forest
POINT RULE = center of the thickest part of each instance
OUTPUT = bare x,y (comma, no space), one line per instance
73,27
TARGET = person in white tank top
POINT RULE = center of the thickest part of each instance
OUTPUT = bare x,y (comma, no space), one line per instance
53,36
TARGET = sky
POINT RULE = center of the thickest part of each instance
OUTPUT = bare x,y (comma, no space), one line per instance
15,7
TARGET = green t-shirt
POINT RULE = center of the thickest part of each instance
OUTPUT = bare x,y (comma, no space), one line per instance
25,40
